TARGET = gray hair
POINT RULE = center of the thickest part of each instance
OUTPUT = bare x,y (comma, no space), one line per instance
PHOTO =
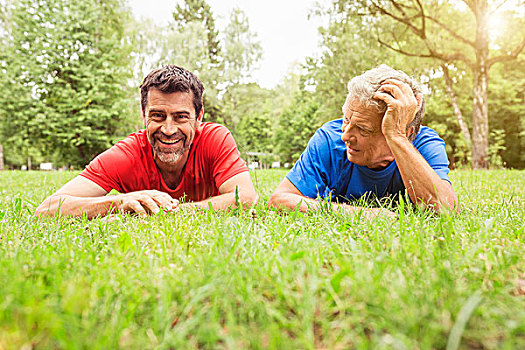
364,86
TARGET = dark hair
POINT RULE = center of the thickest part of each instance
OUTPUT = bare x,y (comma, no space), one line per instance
171,79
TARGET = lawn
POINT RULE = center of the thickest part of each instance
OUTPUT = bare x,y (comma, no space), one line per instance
241,279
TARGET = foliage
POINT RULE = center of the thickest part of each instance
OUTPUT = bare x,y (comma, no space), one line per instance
496,148
269,280
507,111
67,63
297,124
198,11
248,113
242,50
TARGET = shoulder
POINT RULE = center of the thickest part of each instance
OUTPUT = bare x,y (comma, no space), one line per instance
332,128
134,142
328,136
214,141
125,152
427,136
209,130
432,148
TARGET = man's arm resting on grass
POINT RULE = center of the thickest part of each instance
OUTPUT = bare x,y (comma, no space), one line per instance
423,184
287,196
83,197
242,183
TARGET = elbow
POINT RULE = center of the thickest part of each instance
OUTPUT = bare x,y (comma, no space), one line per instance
276,201
247,199
450,207
273,201
44,210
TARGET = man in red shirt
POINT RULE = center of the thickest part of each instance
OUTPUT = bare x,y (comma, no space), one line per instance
177,157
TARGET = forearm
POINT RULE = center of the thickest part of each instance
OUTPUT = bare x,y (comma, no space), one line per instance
291,201
223,201
423,184
65,205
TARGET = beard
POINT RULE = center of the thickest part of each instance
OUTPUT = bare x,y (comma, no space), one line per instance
169,155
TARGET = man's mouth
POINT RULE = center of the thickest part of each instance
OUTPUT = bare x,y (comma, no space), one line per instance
169,142
351,150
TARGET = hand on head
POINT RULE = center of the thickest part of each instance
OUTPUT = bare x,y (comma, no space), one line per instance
402,106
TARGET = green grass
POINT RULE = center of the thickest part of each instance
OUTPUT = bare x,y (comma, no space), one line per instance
289,281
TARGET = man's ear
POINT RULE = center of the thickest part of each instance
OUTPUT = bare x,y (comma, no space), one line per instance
419,99
201,114
410,131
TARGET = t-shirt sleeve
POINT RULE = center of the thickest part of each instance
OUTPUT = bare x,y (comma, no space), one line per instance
106,169
225,156
432,148
310,173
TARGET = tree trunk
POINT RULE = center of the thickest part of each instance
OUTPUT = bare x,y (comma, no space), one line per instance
480,132
455,105
480,119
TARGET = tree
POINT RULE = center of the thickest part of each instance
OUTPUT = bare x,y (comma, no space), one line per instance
254,119
241,53
450,32
297,124
68,63
507,113
242,50
199,11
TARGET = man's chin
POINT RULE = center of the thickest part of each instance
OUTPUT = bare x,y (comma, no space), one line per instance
354,159
169,155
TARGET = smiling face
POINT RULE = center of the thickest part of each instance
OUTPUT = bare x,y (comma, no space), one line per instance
170,122
365,143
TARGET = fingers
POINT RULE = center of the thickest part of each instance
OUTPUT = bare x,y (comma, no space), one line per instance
134,206
163,200
381,212
393,89
147,202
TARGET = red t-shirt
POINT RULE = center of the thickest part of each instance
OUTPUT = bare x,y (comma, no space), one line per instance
129,166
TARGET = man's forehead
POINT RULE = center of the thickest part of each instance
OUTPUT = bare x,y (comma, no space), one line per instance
354,105
157,97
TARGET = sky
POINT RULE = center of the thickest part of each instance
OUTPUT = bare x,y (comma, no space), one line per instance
284,31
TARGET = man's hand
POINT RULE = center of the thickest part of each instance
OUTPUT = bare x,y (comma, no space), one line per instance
81,196
402,106
145,202
287,196
373,213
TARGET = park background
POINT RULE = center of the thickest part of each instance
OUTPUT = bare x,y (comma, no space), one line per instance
70,71
260,278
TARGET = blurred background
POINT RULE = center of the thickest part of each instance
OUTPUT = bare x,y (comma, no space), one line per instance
274,71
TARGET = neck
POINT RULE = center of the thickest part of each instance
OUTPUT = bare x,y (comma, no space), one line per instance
171,172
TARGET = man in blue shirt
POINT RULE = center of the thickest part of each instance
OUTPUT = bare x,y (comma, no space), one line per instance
378,149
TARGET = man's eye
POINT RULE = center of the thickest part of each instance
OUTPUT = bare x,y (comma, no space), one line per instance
157,116
182,117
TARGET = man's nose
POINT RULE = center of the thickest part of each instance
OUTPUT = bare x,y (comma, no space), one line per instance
169,127
347,134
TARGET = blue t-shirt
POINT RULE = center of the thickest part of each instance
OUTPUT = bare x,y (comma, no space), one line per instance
324,170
